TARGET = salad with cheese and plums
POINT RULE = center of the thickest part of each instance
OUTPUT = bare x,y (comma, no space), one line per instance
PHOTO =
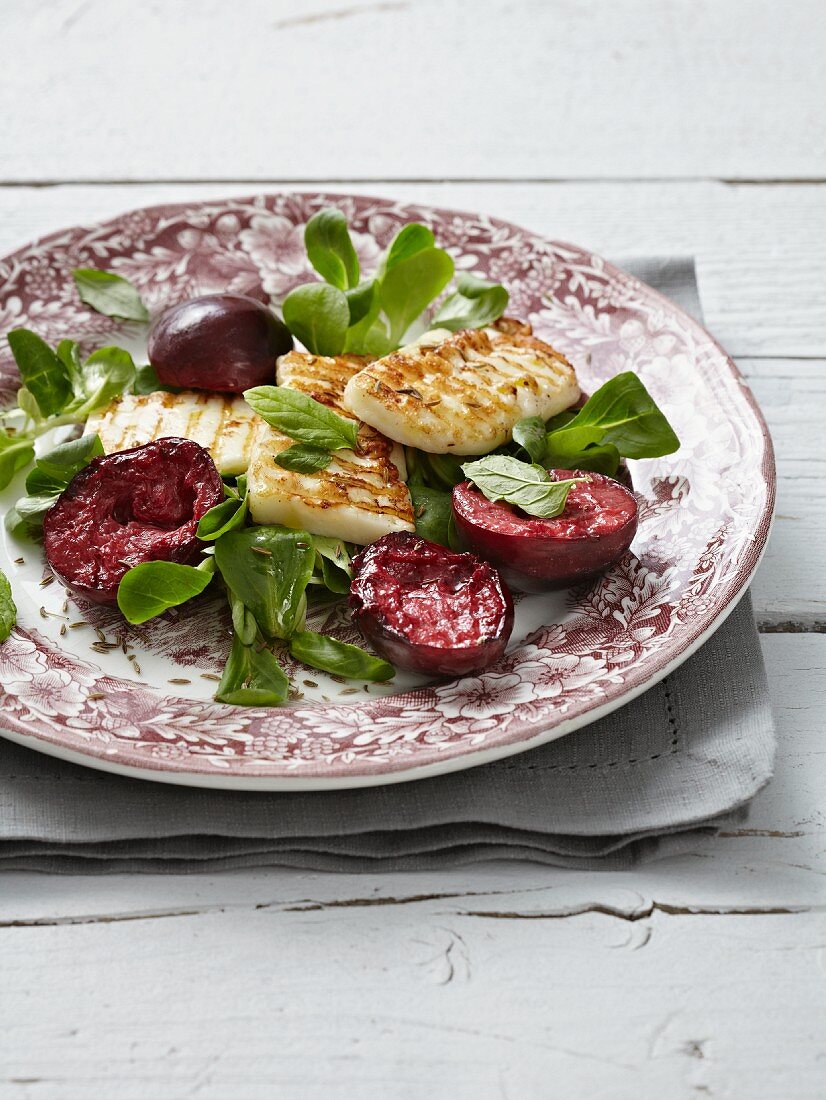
419,461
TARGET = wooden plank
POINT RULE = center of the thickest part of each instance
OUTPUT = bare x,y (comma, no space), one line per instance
789,588
403,1002
777,860
761,269
413,89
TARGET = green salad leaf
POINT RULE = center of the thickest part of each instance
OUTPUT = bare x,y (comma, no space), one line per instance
597,458
303,458
154,586
319,315
622,413
332,564
338,658
375,315
474,304
106,374
434,471
16,452
47,479
252,677
360,301
109,294
8,611
268,570
523,484
409,286
531,434
302,418
229,515
44,374
330,249
433,514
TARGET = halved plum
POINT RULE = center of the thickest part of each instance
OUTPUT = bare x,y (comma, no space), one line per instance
127,508
533,554
428,609
224,342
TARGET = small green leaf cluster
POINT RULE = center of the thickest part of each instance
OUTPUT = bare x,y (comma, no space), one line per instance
58,388
526,485
47,479
317,430
620,420
372,316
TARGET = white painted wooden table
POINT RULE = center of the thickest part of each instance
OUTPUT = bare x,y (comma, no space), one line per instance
633,127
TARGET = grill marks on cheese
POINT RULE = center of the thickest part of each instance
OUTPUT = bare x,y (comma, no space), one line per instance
462,393
360,496
225,426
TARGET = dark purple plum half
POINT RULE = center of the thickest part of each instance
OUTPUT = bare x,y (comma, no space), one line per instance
428,609
534,554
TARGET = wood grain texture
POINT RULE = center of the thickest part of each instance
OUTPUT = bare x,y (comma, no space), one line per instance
413,89
415,1000
693,977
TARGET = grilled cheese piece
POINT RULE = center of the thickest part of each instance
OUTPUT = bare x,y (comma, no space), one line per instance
360,496
462,393
224,426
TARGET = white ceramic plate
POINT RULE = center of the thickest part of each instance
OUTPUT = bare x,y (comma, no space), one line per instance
144,706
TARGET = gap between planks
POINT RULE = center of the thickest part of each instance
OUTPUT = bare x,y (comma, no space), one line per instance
564,913
343,181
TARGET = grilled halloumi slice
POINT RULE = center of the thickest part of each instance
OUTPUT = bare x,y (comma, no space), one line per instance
224,426
360,496
461,393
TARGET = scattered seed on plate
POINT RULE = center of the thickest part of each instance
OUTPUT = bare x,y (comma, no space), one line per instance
96,695
43,614
179,680
65,606
100,634
210,676
80,622
46,582
19,561
309,683
348,691
62,629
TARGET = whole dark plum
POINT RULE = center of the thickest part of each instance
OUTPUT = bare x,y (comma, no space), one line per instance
223,342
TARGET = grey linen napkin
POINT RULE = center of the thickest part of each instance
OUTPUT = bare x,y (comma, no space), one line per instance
678,763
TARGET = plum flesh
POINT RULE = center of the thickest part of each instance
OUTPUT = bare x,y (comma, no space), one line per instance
127,508
533,554
428,609
222,342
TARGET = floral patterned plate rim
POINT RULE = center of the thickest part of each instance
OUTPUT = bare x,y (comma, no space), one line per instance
139,702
